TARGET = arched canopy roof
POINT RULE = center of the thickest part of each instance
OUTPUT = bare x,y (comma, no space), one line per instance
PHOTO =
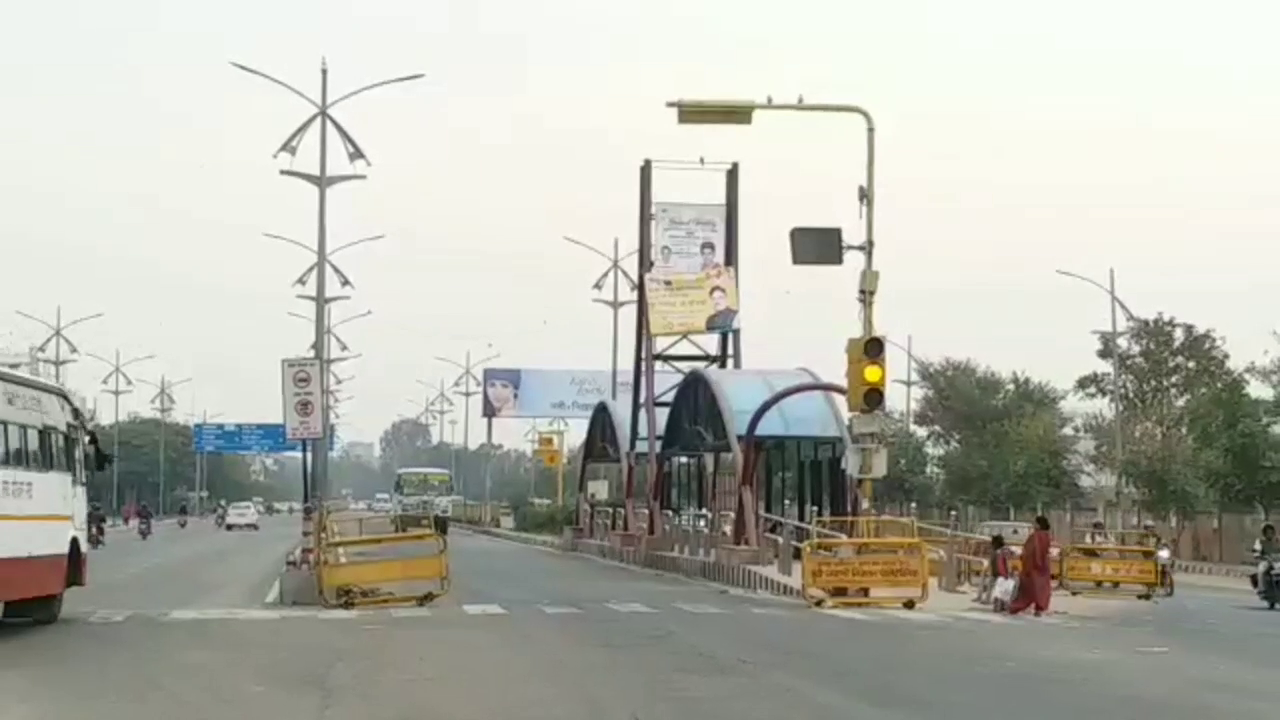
712,407
608,433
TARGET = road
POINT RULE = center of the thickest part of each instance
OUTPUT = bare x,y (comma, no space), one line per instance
175,627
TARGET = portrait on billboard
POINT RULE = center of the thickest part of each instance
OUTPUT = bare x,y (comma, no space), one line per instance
693,304
502,392
688,238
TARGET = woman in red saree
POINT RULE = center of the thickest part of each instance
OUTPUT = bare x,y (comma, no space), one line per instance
1035,585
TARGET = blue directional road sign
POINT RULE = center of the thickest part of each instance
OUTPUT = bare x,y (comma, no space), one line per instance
244,439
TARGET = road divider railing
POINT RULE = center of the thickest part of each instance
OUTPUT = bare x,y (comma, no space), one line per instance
364,561
881,562
1121,566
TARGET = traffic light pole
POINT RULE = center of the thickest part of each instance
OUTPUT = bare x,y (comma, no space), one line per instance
868,283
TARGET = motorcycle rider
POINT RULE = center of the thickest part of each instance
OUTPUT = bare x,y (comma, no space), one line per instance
1264,548
97,520
182,510
144,514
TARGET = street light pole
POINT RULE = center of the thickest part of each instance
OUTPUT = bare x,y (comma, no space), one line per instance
616,272
57,336
741,112
112,384
322,180
467,390
202,458
910,382
1117,423
439,406
164,402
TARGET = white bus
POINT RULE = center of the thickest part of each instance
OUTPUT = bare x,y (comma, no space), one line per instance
47,453
425,491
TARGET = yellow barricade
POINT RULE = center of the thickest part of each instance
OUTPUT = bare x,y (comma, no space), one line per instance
1125,570
361,563
891,571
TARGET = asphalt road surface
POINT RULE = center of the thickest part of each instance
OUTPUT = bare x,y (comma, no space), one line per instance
176,628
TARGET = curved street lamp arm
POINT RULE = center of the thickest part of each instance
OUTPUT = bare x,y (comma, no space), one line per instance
291,241
353,243
1129,315
33,318
82,320
585,246
280,83
374,86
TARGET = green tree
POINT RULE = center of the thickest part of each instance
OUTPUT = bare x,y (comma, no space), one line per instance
908,478
1169,370
138,466
1001,440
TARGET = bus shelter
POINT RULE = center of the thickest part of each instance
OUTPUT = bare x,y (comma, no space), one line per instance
606,456
801,443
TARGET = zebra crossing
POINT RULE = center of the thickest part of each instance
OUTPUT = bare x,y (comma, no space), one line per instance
876,616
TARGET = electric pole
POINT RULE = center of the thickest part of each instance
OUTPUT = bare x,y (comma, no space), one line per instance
117,382
615,272
57,338
322,180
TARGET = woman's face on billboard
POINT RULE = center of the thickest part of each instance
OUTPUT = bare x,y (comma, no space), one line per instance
500,393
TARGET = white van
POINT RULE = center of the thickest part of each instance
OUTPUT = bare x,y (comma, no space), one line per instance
381,503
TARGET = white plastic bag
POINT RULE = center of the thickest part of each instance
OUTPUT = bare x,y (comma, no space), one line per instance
1003,591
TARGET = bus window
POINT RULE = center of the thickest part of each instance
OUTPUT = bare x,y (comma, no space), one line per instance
58,452
17,441
4,444
35,460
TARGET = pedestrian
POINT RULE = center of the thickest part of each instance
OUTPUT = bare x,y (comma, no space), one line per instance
1035,585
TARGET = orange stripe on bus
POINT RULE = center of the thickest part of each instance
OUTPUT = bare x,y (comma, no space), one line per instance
35,518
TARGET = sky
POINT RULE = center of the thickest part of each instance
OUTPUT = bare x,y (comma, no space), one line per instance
1013,139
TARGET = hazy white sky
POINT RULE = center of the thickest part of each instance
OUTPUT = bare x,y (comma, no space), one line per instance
1012,140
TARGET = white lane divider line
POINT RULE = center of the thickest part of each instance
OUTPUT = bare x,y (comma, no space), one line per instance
699,608
484,610
770,611
559,609
629,607
988,617
411,612
849,614
915,615
273,594
218,614
338,614
109,616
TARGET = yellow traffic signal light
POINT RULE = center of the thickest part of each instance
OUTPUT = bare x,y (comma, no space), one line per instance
866,374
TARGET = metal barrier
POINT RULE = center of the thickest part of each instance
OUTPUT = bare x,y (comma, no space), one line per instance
1110,568
351,572
842,569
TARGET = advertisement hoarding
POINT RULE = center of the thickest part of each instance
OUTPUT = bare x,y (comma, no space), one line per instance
527,393
692,304
688,238
303,401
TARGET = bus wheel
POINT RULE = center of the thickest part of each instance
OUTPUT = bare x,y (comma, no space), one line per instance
45,610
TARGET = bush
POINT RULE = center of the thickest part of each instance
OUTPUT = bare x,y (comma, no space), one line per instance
550,520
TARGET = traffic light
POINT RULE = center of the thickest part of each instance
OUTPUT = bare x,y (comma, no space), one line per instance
866,374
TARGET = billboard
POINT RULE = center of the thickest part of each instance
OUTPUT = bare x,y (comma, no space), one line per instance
525,393
692,304
688,239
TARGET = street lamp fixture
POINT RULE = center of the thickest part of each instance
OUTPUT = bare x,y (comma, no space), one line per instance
57,338
344,280
615,305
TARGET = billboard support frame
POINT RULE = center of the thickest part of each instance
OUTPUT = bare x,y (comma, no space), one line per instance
682,354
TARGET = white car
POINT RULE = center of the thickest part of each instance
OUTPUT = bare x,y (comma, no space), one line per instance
242,515
382,503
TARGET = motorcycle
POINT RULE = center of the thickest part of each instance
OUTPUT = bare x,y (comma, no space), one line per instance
97,536
144,529
1164,559
1267,583
219,519
182,522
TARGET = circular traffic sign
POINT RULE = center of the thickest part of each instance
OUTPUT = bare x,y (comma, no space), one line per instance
302,379
304,408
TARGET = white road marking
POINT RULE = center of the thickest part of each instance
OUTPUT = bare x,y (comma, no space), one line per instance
559,609
770,611
273,594
338,614
849,614
915,615
989,617
218,614
626,607
699,609
109,616
411,612
484,610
